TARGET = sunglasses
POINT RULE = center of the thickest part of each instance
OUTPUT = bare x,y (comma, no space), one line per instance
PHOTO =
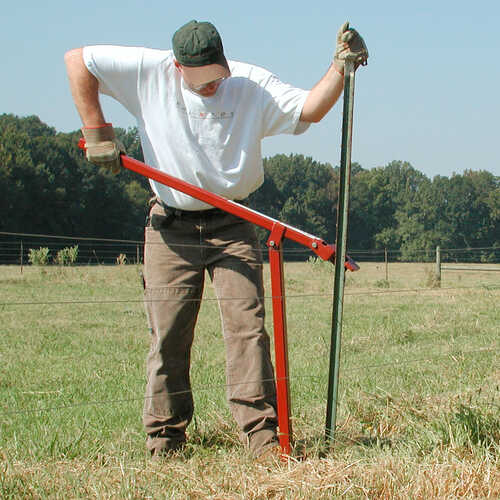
204,86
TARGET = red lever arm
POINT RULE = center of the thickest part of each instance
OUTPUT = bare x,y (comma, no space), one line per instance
322,249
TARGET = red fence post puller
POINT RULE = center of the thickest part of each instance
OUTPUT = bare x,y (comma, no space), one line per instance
279,231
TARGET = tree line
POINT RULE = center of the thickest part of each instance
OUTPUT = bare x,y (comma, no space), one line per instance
47,187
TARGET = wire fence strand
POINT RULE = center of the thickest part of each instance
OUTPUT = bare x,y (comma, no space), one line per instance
95,250
221,299
107,249
210,387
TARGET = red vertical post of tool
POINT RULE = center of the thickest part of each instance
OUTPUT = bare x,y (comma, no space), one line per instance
280,336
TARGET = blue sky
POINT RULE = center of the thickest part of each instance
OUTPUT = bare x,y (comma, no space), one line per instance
429,94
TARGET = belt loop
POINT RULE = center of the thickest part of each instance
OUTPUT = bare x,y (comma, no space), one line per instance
153,200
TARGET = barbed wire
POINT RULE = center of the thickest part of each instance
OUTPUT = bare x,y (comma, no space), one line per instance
119,242
109,402
378,365
204,388
222,299
71,238
103,241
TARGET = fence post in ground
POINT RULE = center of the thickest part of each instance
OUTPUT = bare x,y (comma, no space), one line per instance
438,266
21,259
386,266
341,243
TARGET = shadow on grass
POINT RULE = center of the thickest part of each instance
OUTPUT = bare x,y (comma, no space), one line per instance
319,447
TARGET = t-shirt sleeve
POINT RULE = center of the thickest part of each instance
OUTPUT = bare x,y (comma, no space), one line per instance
117,69
282,107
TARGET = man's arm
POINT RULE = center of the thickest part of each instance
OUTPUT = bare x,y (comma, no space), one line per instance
103,149
84,89
323,96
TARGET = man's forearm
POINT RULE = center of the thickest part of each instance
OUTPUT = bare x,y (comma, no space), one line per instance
323,96
84,89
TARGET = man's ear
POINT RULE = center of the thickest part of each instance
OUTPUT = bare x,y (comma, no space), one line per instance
177,64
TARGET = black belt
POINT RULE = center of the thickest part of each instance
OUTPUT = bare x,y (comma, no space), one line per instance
158,221
177,212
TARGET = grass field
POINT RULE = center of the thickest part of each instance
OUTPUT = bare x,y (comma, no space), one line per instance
419,396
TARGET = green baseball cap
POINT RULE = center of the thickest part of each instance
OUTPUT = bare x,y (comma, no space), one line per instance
198,48
198,44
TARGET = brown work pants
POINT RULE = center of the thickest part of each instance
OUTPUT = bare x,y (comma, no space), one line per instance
178,250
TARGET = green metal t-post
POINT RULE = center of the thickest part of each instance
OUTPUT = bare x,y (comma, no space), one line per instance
341,243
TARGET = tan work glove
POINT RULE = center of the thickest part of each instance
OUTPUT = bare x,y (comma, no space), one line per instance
350,45
103,148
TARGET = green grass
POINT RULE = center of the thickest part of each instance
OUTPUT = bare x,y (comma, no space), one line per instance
419,395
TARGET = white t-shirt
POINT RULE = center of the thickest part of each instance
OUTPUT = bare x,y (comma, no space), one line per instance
211,142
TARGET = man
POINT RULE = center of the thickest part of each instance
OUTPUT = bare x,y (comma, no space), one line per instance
201,118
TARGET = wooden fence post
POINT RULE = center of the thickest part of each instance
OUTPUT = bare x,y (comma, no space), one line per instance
438,266
386,266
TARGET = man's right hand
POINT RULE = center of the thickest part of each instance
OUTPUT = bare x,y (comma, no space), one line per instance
103,148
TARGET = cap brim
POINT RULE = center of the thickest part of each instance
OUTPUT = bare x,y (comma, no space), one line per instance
198,75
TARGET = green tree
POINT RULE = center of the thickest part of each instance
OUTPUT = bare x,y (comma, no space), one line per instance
47,186
296,191
456,212
376,197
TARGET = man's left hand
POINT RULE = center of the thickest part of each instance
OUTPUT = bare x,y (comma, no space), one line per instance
350,45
